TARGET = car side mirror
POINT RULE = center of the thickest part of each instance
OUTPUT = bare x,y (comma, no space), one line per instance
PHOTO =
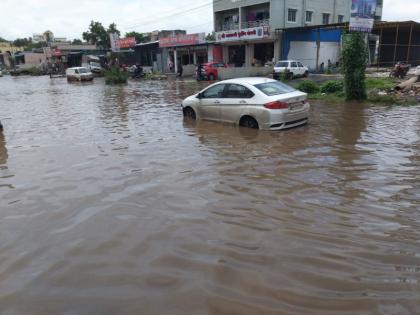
200,96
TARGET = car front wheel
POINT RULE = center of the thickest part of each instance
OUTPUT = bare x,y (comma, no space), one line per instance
189,113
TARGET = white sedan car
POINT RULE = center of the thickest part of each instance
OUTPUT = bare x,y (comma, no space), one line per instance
258,103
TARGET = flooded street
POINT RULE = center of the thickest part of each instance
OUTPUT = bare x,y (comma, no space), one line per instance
111,203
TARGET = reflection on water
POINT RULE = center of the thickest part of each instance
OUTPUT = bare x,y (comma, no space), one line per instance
111,203
3,150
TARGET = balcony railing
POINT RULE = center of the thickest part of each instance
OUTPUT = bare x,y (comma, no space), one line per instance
258,23
235,26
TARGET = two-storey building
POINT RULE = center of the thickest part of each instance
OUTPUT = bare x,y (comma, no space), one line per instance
249,29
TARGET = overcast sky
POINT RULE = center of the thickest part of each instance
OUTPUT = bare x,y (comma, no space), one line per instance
69,19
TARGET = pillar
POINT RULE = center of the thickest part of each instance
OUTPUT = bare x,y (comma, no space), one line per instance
175,61
277,54
195,57
249,54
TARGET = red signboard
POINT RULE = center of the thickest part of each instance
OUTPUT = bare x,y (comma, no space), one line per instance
126,42
182,40
56,52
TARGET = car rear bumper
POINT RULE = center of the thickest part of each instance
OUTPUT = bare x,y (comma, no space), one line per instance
278,120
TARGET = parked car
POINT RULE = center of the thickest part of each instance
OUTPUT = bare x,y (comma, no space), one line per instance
79,74
417,71
1,73
211,70
258,103
95,67
291,68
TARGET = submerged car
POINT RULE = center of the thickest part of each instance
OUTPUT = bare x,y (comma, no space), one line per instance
291,68
80,74
258,103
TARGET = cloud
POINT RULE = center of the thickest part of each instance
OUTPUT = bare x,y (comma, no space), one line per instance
71,19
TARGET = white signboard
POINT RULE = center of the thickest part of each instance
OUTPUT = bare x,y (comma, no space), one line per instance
243,34
115,44
362,15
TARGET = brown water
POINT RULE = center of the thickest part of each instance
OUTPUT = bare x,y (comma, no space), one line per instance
112,204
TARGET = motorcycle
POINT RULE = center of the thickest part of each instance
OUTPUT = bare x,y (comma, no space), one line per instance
200,74
400,70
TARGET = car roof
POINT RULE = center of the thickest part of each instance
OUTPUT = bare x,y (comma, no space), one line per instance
250,80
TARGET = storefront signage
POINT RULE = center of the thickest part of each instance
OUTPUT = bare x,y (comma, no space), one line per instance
244,34
128,42
182,40
362,15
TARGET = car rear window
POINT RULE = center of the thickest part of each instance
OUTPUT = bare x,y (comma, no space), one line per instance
282,64
274,88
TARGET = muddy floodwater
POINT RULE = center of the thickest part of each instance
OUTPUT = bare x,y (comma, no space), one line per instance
111,203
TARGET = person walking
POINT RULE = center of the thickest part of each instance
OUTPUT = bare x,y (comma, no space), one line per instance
180,70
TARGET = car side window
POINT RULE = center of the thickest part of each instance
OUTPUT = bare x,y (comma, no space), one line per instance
214,65
214,91
300,64
294,65
221,65
238,91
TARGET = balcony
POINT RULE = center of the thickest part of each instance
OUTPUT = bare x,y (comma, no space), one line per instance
258,23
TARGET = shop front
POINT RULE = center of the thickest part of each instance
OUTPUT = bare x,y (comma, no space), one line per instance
249,47
184,50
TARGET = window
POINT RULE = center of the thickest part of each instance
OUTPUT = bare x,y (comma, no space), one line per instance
291,17
274,88
309,15
325,18
238,91
294,64
300,65
282,64
214,92
340,18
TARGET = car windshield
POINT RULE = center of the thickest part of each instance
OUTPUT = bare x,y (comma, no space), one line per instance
82,70
282,64
274,88
95,64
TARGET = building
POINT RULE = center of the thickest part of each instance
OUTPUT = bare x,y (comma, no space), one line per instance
251,30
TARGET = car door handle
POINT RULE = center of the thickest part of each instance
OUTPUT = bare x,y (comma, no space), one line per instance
242,102
216,102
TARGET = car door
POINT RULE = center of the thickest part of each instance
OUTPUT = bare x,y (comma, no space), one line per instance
236,98
210,102
294,68
302,69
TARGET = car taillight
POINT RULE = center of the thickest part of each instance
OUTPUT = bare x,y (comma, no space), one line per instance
276,105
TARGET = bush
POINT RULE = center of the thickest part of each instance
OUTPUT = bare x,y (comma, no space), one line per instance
354,62
331,87
34,71
116,76
308,87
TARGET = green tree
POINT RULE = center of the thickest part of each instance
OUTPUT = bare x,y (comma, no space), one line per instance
98,35
140,38
77,41
210,37
354,62
21,42
2,40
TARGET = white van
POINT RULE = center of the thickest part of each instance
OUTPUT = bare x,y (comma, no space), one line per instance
79,74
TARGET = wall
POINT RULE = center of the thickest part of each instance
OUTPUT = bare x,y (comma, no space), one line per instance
32,59
278,10
301,45
230,73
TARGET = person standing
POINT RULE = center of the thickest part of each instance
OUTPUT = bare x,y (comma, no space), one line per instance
180,70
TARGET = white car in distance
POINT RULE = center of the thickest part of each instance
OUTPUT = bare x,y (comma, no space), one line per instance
258,103
291,68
